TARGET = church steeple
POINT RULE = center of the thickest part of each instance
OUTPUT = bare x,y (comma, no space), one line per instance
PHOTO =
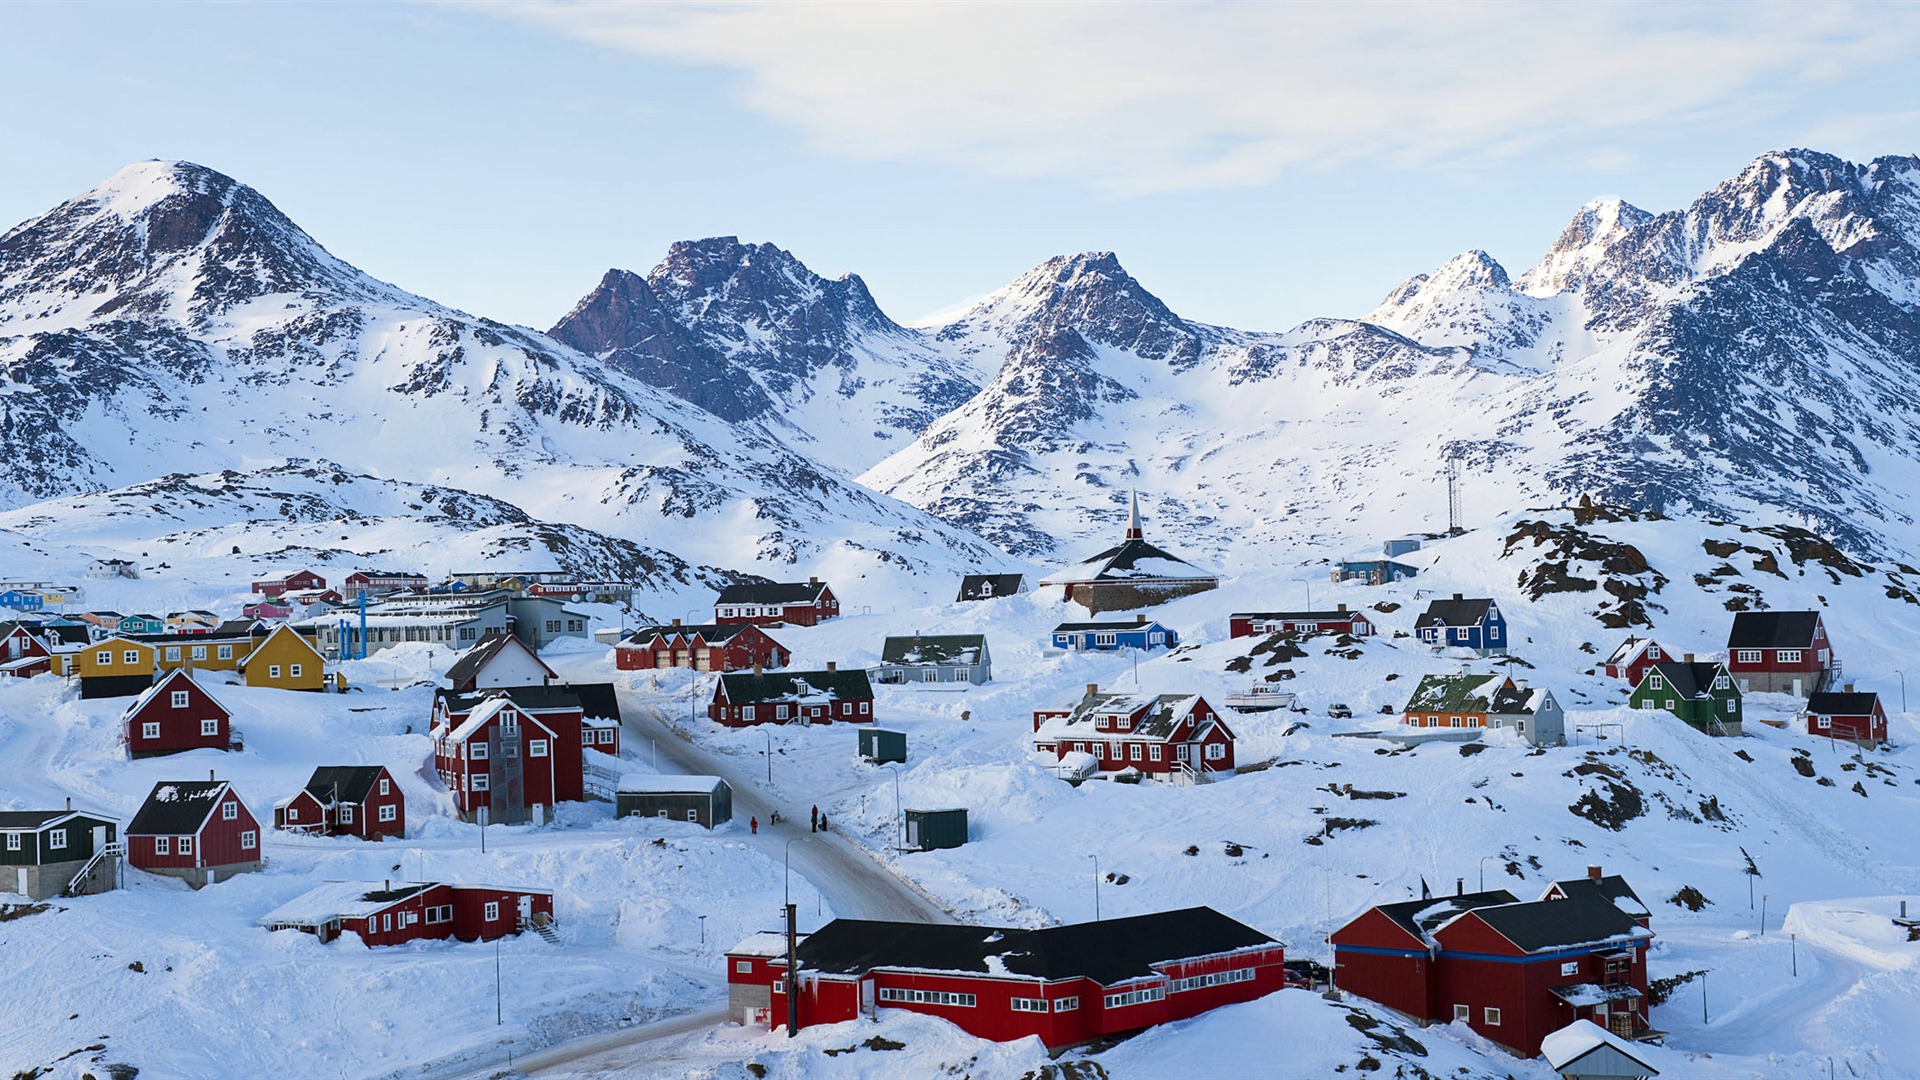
1134,532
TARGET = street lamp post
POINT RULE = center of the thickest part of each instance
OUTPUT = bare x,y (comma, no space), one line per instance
899,815
792,840
769,736
1483,870
703,929
1096,887
497,1012
1903,690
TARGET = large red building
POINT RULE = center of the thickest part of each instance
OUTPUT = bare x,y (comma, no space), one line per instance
199,831
345,800
508,761
1785,652
776,604
389,914
176,714
1511,971
1340,621
743,699
710,647
1155,734
1062,984
298,581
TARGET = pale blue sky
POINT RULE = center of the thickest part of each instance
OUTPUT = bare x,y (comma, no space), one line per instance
1254,165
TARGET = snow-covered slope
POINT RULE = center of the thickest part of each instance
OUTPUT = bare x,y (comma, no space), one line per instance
1748,355
172,320
748,333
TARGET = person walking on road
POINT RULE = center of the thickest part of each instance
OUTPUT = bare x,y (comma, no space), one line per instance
754,824
823,823
813,822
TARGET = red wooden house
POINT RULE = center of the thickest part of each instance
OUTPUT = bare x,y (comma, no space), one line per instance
710,647
1511,971
1155,734
298,581
24,653
1339,621
379,582
743,699
499,660
196,830
776,604
1632,659
386,914
177,714
505,761
1784,652
268,609
1061,984
1849,715
345,800
591,707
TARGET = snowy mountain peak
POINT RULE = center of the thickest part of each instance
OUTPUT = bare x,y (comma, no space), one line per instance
1090,294
1469,270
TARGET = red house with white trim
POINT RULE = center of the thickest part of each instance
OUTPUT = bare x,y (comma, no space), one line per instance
199,831
1512,971
24,653
1155,734
747,698
345,800
385,914
176,714
1784,652
1846,714
298,581
1339,621
379,582
1632,659
508,762
1061,984
776,604
709,647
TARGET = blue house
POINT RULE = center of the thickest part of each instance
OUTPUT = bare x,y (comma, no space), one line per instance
1108,636
1465,624
21,600
142,624
1371,570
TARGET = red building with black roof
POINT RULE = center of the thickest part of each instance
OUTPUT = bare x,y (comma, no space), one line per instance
389,914
1847,714
1061,984
774,603
199,831
743,699
1783,652
1338,621
346,800
707,647
1513,971
177,714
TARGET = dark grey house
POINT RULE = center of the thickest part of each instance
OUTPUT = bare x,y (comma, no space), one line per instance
990,586
705,800
44,852
917,660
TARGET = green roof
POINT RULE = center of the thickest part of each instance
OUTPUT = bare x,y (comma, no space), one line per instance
1464,693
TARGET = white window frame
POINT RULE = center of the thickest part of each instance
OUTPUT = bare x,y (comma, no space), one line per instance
1066,1004
173,652
605,737
199,652
150,729
386,786
536,748
223,652
210,727
346,814
389,812
57,839
13,841
230,811
273,671
184,845
491,912
1463,1014
293,671
1490,1016
180,699
479,781
163,845
131,656
476,751
249,840
1787,656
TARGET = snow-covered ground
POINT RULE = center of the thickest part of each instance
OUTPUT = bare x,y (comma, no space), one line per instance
215,995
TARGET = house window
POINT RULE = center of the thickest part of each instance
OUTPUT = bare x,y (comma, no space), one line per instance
1492,1016
224,652
493,910
1036,1005
346,815
389,813
1462,1014
693,815
553,626
1156,638
249,840
469,633
575,625
1669,703
606,737
386,787
1571,967
150,729
179,699
373,924
1747,656
433,914
746,712
199,652
1066,1004
1133,751
1655,682
1104,639
743,966
105,659
185,846
779,712
480,782
586,738
477,751
130,657
209,728
1720,682
1733,706
57,839
230,811
162,845
173,652
1216,751
537,748
293,671
1789,656
13,841
1153,752
273,671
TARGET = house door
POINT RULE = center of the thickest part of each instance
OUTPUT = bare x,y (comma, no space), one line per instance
913,835
22,879
867,1006
99,838
1796,688
539,813
526,911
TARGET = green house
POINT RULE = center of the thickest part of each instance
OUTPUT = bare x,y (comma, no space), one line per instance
142,624
1702,694
45,853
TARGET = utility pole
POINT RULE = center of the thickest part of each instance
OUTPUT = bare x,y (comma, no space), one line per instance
497,1015
1793,944
793,971
1096,887
1453,494
1703,999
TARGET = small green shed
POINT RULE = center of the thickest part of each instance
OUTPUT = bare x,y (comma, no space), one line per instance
881,745
931,829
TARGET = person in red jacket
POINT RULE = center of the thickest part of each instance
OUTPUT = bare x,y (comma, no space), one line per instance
754,824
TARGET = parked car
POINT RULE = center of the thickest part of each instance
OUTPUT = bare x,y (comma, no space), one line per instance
1339,711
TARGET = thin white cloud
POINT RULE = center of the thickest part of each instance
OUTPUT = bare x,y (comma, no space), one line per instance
1135,98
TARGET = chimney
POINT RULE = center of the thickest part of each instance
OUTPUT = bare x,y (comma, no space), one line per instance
1139,620
1093,688
1848,688
676,622
1459,886
833,665
1457,596
387,885
209,776
1594,873
813,581
1687,658
69,802
1343,607
756,668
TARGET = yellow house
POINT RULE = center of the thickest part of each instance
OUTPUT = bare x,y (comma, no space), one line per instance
285,661
201,652
115,658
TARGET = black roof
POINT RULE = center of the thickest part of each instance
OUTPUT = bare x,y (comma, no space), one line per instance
1772,629
352,782
1583,917
989,586
918,649
1118,563
1454,612
176,808
1341,615
66,635
1613,888
772,592
1688,680
1842,703
1134,625
745,688
17,820
711,633
595,700
186,639
1420,917
1108,952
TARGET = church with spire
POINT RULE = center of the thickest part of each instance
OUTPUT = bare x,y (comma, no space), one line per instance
1135,574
